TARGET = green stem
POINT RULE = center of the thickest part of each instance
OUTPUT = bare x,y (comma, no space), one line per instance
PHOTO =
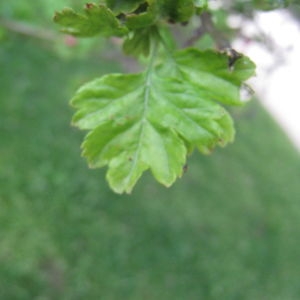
169,53
153,53
149,70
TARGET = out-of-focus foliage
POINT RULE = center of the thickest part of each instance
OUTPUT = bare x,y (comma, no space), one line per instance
35,12
253,5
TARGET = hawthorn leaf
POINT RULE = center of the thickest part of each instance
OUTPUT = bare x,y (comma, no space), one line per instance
152,120
177,10
96,20
138,42
143,19
116,109
121,6
211,73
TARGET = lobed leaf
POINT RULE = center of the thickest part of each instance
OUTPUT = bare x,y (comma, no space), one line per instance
121,6
138,42
96,20
153,120
177,10
211,73
143,19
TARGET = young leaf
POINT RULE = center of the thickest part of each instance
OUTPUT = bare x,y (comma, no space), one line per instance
143,19
151,120
177,10
97,20
123,6
138,42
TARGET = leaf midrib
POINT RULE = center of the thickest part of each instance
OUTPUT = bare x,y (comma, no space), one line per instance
146,96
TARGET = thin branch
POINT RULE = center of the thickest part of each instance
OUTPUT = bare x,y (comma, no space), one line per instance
207,26
28,30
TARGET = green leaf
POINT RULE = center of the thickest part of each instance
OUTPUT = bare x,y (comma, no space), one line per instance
115,108
96,20
177,10
143,19
123,6
138,42
210,71
200,5
153,120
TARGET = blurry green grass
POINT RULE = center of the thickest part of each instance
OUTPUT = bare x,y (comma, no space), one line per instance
229,229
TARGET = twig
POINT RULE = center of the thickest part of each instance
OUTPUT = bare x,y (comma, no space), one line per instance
28,30
207,26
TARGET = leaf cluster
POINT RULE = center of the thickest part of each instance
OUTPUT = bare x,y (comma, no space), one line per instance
119,18
153,119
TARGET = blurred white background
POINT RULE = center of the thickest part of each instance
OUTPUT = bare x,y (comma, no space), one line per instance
277,83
